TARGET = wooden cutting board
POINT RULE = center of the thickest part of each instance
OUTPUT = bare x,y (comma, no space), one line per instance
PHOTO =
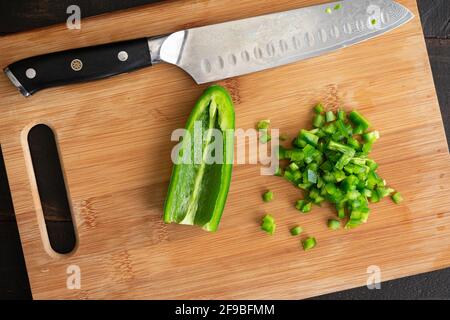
114,142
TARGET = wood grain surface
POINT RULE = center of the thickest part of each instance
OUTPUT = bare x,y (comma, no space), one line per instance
20,15
114,139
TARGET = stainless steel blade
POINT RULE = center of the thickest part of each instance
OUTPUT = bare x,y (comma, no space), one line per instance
239,47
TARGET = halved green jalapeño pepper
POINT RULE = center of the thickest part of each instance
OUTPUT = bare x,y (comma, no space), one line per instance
199,187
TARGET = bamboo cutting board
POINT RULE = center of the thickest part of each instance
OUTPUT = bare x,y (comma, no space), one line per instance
114,143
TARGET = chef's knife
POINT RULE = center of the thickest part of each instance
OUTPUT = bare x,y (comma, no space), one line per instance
222,50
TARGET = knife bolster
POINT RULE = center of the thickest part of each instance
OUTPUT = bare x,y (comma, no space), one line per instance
154,46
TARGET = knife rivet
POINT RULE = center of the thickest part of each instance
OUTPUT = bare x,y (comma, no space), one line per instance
122,56
76,65
30,73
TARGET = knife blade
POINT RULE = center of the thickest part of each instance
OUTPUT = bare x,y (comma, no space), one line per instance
223,50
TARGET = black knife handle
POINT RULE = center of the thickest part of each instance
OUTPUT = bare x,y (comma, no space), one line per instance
77,65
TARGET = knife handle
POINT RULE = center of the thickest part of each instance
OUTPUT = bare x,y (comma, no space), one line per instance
83,64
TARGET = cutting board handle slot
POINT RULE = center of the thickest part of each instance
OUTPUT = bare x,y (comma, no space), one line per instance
50,192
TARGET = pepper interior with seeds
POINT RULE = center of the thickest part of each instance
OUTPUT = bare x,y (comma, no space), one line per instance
200,181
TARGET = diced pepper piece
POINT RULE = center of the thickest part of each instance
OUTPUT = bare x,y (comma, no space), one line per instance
334,224
359,121
303,206
292,176
372,180
384,192
318,121
349,129
358,130
320,133
344,160
335,146
353,223
339,175
348,168
309,243
305,186
314,193
313,166
397,197
267,196
264,137
309,137
282,153
318,157
320,183
268,218
349,183
342,128
329,129
318,200
326,166
353,143
331,188
340,206
268,224
353,195
278,172
263,125
371,164
306,207
295,231
359,161
299,142
375,197
367,193
371,137
312,176
296,155
341,115
318,109
293,166
337,197
309,152
330,117
299,204
364,216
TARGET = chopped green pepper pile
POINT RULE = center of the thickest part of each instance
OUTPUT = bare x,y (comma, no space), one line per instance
331,163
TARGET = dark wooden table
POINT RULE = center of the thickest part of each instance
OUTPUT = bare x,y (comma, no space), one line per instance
22,15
